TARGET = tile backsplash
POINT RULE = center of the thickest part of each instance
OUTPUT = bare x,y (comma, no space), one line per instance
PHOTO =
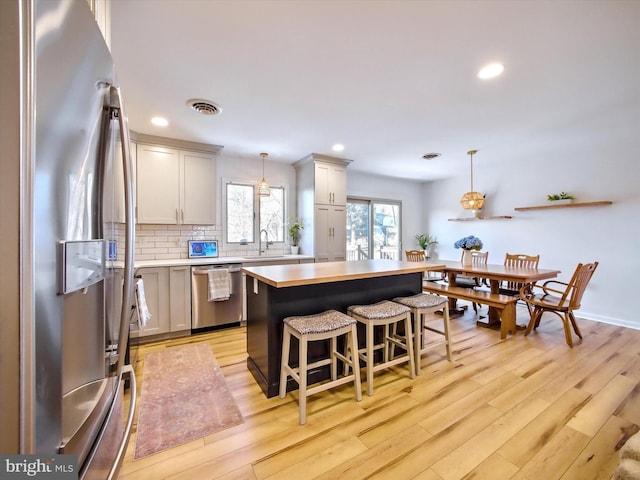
162,242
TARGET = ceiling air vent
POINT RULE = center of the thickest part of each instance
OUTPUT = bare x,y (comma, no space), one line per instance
430,156
205,107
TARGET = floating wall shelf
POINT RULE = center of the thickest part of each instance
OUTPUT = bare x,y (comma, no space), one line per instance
565,205
471,219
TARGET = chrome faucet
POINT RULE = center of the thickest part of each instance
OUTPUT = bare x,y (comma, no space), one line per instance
266,234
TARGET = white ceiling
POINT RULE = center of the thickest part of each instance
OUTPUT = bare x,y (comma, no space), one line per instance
391,80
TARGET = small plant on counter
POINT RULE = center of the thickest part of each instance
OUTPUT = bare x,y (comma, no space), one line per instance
560,196
295,225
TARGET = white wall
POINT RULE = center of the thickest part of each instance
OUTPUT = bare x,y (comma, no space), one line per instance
607,170
361,184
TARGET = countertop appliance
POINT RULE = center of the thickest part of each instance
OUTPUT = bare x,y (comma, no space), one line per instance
205,313
203,248
75,169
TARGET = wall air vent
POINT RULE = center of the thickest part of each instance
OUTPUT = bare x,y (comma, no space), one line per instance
205,107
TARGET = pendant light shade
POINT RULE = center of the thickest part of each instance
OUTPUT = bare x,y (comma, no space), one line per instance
263,186
472,200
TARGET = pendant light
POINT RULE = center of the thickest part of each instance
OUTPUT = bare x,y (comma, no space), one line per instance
263,186
472,200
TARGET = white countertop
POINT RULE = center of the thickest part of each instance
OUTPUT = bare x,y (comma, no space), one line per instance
176,262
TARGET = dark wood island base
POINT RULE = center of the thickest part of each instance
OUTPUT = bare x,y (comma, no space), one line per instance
276,292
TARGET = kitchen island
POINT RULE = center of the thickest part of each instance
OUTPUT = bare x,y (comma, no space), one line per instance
278,291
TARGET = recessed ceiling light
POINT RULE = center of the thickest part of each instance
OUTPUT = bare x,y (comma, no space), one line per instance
160,121
490,71
430,156
338,147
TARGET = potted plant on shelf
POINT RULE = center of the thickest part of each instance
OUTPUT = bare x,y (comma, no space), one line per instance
295,225
562,197
425,241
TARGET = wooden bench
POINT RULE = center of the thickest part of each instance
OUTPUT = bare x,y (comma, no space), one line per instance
505,304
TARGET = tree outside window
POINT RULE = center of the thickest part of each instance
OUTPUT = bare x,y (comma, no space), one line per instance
272,214
245,217
373,229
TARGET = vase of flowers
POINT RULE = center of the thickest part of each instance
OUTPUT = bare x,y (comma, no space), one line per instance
468,244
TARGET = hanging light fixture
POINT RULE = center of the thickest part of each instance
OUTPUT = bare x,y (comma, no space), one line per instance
263,186
472,200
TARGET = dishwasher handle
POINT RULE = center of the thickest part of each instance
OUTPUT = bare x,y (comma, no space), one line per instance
203,270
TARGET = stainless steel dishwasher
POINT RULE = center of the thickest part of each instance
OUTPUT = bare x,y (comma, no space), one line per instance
210,314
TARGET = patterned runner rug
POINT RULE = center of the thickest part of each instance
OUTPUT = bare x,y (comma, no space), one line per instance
184,397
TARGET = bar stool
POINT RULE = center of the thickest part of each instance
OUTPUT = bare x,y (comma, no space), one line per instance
322,326
383,313
422,304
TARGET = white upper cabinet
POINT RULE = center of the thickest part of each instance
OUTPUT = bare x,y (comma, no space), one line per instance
175,185
197,188
330,184
101,10
158,185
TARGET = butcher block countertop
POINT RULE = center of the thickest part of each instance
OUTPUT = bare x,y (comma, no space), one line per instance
280,276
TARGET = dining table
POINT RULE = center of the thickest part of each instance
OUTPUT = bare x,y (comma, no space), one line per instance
495,274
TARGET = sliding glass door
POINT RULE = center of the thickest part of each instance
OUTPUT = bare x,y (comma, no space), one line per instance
373,229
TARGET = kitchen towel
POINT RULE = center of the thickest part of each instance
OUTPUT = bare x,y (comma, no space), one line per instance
141,304
219,284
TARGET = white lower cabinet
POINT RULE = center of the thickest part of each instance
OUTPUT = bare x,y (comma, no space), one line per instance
168,296
330,233
180,298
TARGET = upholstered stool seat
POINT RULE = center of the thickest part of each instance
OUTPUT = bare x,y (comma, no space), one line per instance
421,305
322,326
383,313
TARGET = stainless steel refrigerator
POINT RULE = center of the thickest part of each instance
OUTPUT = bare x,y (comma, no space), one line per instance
66,148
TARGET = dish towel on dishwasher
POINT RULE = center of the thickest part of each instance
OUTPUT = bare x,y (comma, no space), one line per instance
141,304
219,284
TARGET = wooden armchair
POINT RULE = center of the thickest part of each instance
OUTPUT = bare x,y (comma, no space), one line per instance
566,300
477,258
521,261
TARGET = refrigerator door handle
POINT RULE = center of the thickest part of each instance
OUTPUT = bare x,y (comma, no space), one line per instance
127,294
115,468
127,371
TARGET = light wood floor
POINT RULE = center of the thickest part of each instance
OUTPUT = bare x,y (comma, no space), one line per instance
523,408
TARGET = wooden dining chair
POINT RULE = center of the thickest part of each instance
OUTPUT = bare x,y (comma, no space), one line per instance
517,260
419,256
477,259
560,298
415,255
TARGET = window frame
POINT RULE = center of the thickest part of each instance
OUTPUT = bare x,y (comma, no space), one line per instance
256,211
371,202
